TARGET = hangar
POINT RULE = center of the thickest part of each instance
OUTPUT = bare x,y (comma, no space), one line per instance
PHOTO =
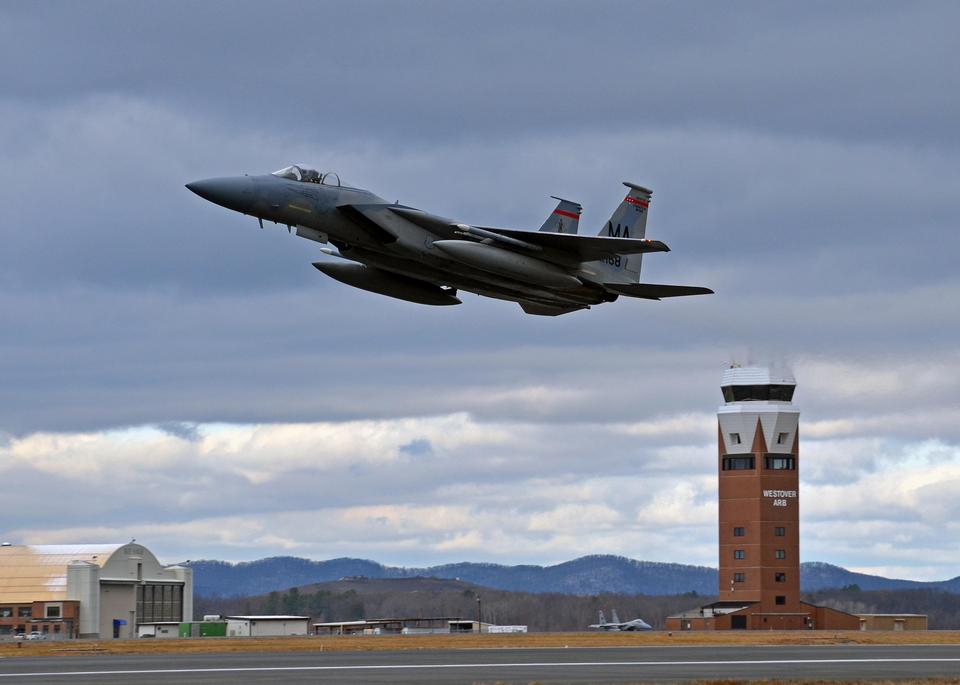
91,591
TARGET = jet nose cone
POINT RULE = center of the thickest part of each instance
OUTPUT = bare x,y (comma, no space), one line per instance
232,192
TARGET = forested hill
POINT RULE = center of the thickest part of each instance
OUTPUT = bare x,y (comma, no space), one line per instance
584,576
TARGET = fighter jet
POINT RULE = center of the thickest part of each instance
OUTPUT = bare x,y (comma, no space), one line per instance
617,625
412,255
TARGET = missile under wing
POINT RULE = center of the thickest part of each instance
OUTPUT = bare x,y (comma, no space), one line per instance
413,255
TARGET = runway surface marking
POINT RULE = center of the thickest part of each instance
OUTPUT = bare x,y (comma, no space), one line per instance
544,664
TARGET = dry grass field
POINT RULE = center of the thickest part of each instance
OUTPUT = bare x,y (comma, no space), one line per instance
912,681
469,641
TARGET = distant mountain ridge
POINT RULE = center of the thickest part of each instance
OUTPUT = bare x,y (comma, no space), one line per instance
587,575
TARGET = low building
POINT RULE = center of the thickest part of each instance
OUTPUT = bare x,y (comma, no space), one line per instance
894,622
436,625
171,629
100,591
159,629
53,620
506,629
728,615
266,626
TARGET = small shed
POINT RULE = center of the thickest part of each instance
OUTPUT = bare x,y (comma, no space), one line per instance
159,629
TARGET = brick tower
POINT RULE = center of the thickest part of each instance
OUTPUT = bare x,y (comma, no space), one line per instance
759,513
759,505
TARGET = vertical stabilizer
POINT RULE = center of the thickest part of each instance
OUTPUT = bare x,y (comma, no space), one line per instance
565,218
629,220
616,619
603,619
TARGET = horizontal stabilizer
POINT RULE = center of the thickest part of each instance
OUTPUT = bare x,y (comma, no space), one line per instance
654,291
586,248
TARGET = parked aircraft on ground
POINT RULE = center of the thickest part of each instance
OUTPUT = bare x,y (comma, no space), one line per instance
413,255
618,625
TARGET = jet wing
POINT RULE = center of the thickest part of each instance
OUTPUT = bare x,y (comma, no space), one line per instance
376,219
582,248
653,291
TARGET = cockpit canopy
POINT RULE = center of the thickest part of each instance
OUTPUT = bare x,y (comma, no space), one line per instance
301,172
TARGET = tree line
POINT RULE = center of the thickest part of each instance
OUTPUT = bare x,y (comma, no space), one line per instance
538,611
349,601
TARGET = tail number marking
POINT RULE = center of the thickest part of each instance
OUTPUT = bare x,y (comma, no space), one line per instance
618,232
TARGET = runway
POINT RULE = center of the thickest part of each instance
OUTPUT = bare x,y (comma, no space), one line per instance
591,665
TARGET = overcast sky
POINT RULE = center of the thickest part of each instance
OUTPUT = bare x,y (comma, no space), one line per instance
169,372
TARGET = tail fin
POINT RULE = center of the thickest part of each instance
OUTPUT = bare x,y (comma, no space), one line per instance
565,218
630,218
616,619
603,619
628,221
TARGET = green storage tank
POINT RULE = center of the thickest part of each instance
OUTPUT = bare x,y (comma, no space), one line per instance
203,629
213,629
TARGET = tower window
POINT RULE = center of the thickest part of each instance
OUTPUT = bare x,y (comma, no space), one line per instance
735,438
782,438
781,554
757,393
779,531
780,599
744,463
779,462
738,532
738,554
739,577
780,577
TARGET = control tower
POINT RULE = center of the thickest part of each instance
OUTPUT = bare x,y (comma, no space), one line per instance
758,490
759,512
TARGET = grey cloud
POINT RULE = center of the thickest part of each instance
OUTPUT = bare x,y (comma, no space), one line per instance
420,447
434,69
181,429
187,486
91,359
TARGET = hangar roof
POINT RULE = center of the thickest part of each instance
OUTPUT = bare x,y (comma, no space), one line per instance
38,573
31,573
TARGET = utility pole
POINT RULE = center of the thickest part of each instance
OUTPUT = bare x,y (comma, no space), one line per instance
479,616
